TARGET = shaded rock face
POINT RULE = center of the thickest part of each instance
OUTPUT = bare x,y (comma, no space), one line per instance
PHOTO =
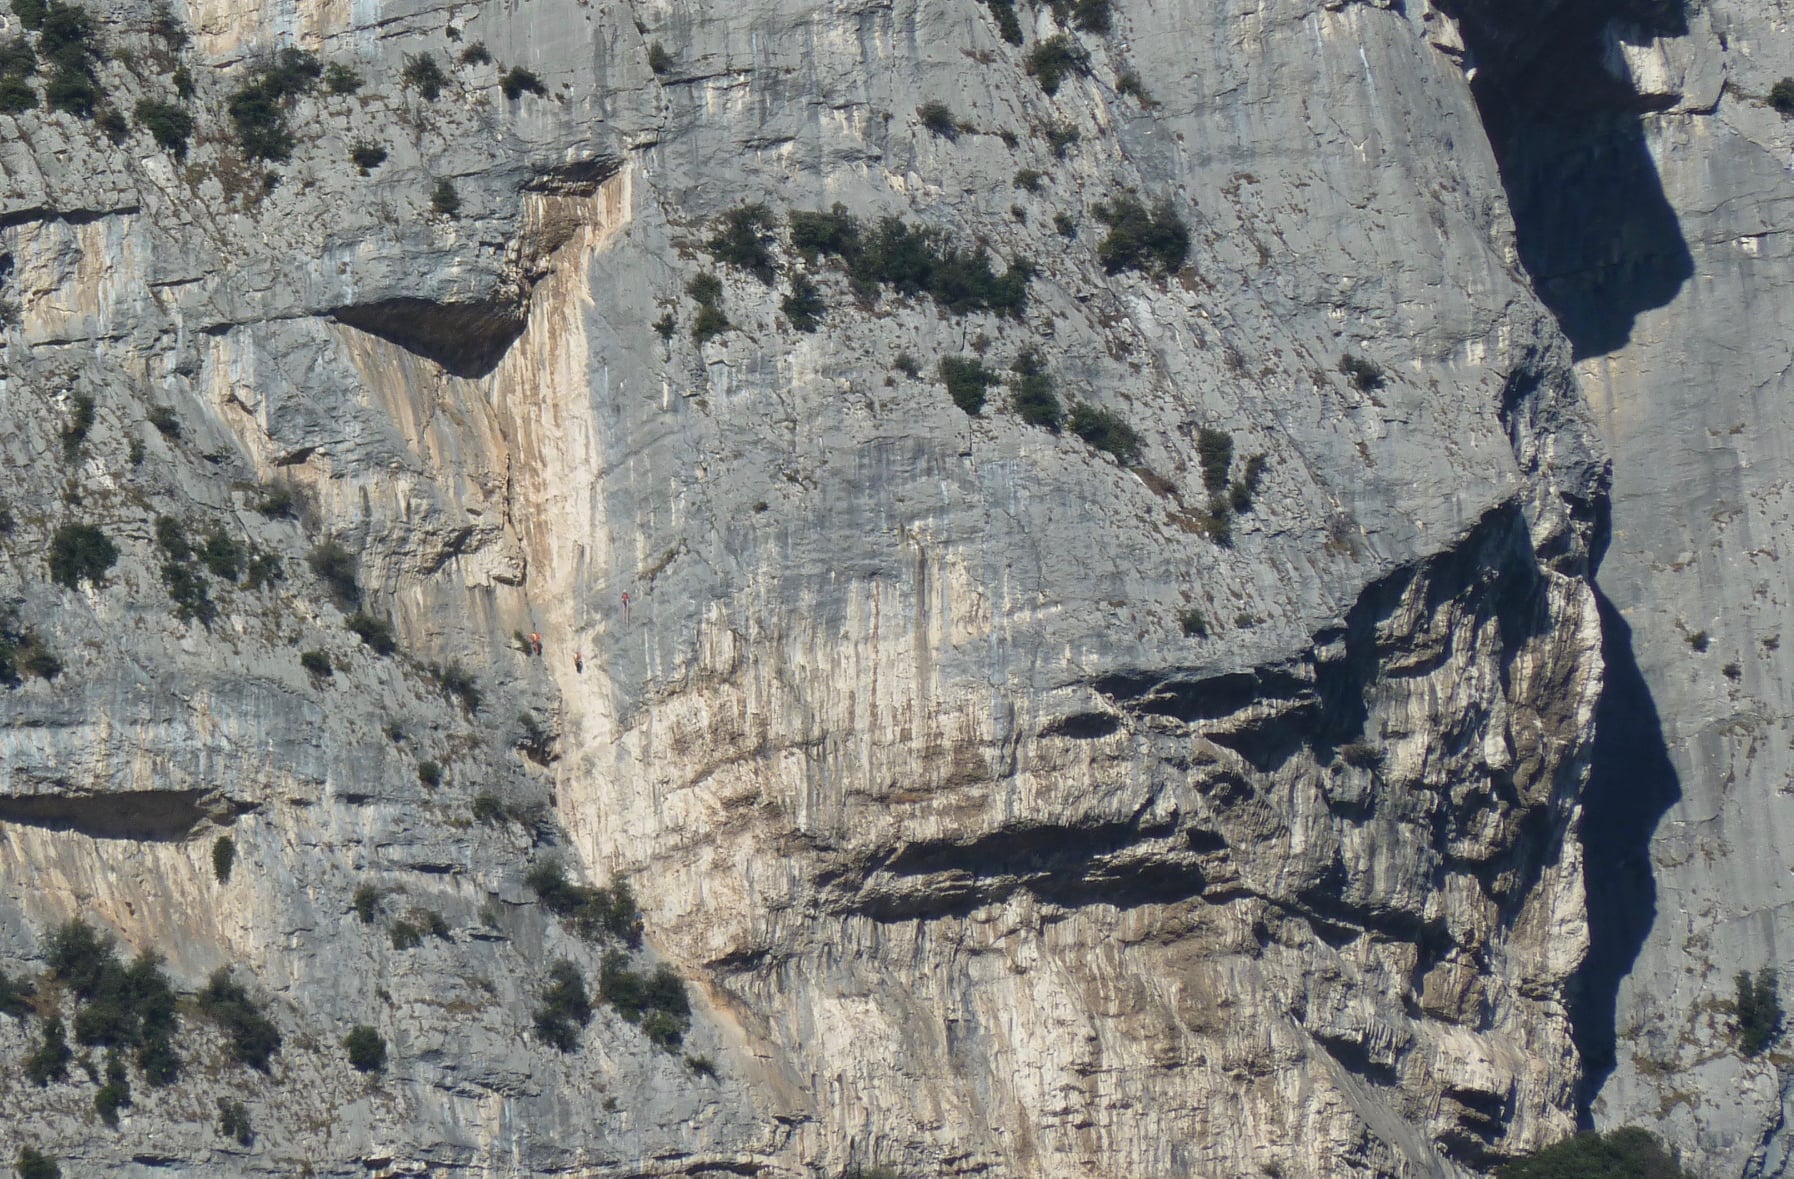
998,815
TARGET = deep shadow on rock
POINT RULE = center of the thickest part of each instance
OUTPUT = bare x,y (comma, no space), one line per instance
1594,229
466,339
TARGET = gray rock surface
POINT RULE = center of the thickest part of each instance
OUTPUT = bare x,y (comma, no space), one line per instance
977,852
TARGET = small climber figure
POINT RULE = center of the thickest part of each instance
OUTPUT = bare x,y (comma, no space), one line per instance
625,605
579,663
535,642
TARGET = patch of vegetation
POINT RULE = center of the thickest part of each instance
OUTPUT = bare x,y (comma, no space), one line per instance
476,55
1700,642
22,652
1366,375
120,1007
74,431
317,663
518,81
260,106
15,996
373,630
367,156
1781,96
707,290
906,364
279,501
744,239
430,773
444,200
253,1038
937,118
666,325
366,1048
1105,430
1128,83
30,13
1361,755
1152,241
1214,450
565,1008
914,262
1007,25
183,81
335,566
656,1001
265,568
34,1163
66,41
366,903
1028,180
703,1066
1064,226
803,306
1194,625
233,1122
1090,16
458,683
340,79
1035,402
224,857
49,1061
1245,488
1626,1153
169,125
1060,138
966,379
1055,59
80,552
115,1094
423,74
163,419
659,60
1756,1011
223,555
593,912
17,63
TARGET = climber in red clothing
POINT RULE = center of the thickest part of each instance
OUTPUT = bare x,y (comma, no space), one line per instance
579,663
535,642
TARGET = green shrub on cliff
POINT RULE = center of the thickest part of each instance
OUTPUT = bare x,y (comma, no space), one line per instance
1626,1153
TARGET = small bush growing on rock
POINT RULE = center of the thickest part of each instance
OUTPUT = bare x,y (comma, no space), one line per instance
1054,59
375,631
224,857
233,1122
80,552
1194,625
366,1048
1061,137
366,903
340,79
80,421
1035,401
1064,226
1626,1153
1127,83
367,156
66,40
279,501
966,379
15,996
115,1094
112,124
183,81
317,663
707,290
803,306
265,569
518,81
1105,430
16,94
253,1037
1781,96
656,1001
836,232
937,118
335,566
1091,16
1008,26
666,326
423,74
1245,488
744,239
405,935
22,652
906,364
259,107
458,683
30,13
476,55
565,1007
162,417
593,912
1366,375
429,773
49,1061
444,200
169,125
1028,180
1700,642
1756,1011
489,808
223,555
35,1164
659,60
1214,450
1152,241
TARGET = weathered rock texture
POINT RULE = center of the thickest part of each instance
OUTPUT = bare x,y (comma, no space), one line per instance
979,853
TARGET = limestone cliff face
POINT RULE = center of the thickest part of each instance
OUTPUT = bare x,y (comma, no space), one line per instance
1000,818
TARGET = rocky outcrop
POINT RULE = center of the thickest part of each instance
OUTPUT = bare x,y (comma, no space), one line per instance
1002,811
